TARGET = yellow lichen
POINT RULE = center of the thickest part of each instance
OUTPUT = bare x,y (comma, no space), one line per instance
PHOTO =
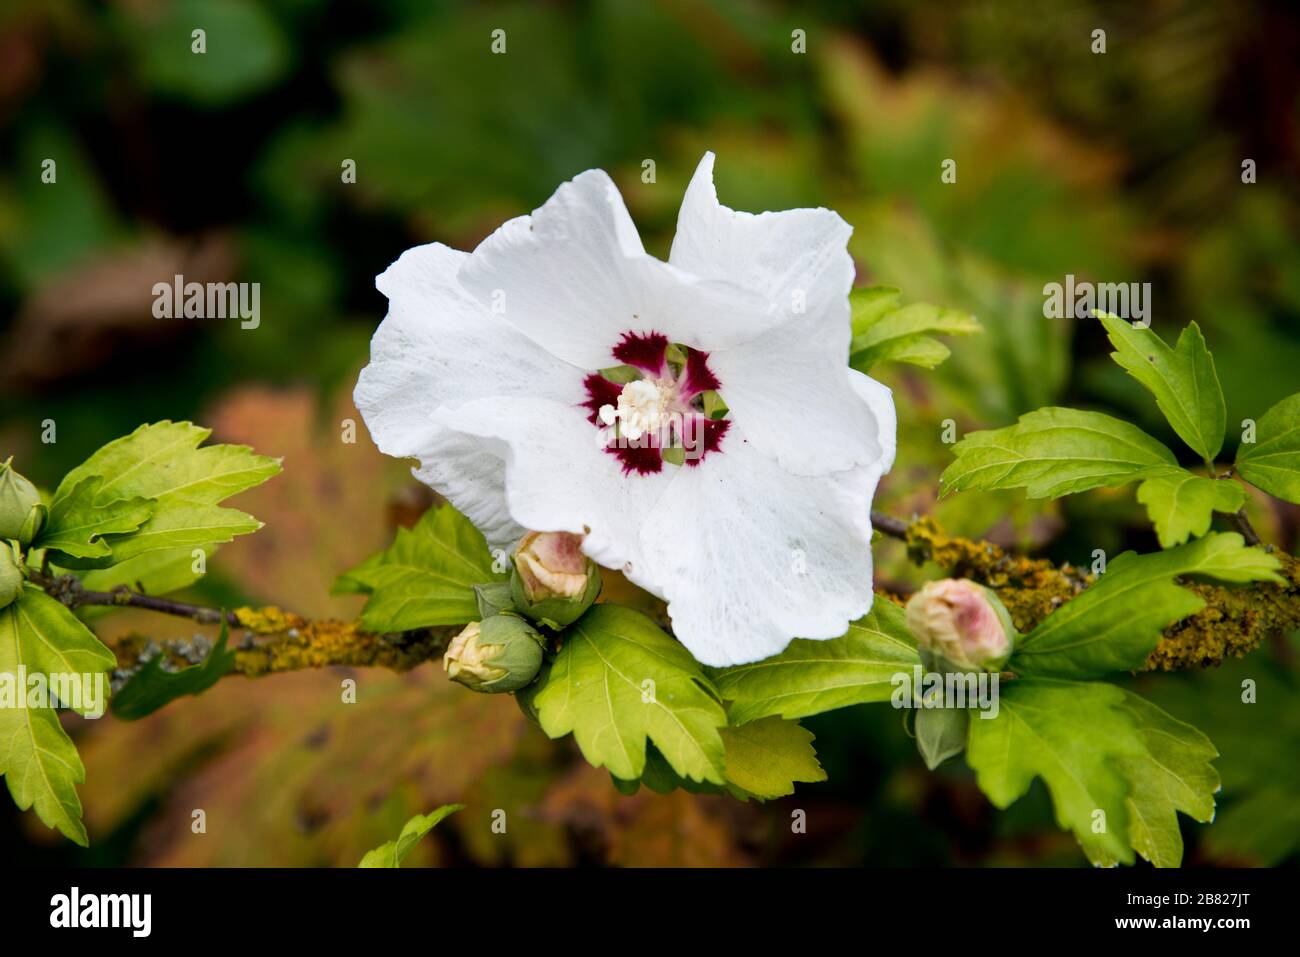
1031,588
1233,621
273,640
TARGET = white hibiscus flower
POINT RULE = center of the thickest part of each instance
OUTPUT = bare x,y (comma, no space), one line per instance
731,476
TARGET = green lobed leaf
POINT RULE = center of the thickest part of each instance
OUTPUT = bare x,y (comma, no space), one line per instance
1096,745
918,350
882,330
810,677
54,642
766,758
151,687
870,304
1114,625
628,788
660,777
163,463
426,577
1173,774
1182,379
76,524
184,525
163,460
1272,462
393,853
41,765
1072,735
1053,452
617,681
37,758
1181,504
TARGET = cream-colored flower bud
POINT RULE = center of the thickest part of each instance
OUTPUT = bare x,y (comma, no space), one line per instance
501,653
962,622
553,581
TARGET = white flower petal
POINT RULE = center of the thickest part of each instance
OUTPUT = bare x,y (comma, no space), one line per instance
438,346
574,277
776,254
470,472
558,478
786,387
880,400
749,556
790,394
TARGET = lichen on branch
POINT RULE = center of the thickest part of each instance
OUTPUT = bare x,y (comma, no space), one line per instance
1234,621
270,640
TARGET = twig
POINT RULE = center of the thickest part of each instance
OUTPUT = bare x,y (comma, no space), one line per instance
69,590
888,525
1242,524
271,641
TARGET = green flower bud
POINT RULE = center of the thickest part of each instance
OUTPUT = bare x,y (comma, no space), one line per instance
21,511
553,582
501,653
11,575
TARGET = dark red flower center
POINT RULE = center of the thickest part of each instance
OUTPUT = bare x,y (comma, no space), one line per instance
660,405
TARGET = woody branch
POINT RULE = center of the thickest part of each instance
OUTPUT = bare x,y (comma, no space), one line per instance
269,640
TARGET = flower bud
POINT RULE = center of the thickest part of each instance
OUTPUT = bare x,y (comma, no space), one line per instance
21,511
963,623
11,576
501,653
553,582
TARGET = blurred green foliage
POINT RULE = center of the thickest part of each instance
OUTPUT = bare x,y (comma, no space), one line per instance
1118,167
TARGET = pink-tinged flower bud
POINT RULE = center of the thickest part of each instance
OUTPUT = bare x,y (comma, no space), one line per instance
962,622
553,581
501,653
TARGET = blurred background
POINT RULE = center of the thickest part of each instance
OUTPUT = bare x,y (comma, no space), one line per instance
1115,167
